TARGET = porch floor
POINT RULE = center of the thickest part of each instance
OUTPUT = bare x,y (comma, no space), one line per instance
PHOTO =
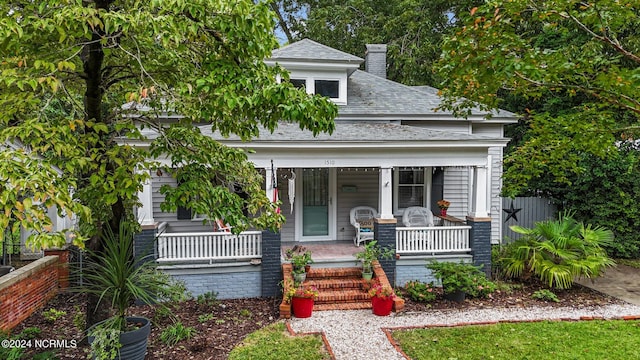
327,250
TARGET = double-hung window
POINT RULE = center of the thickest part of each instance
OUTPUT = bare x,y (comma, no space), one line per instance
411,188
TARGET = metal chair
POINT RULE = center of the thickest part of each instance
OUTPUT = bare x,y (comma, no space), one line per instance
359,215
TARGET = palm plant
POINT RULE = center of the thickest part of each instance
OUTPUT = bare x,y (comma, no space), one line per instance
558,251
114,277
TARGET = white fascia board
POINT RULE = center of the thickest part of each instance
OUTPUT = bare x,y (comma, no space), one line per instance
427,117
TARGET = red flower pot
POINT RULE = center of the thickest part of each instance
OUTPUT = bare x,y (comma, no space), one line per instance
302,307
443,212
381,306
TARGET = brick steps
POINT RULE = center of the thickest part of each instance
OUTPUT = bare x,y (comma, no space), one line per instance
339,288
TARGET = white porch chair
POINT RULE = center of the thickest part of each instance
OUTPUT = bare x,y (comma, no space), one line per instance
361,214
417,216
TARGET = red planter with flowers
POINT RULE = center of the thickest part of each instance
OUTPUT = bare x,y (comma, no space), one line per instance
302,307
381,306
301,299
381,299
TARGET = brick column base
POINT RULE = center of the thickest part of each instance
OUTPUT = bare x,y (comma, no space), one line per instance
385,232
480,241
271,267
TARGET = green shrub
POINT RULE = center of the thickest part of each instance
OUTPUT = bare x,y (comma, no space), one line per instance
208,298
558,251
419,291
205,317
52,314
545,295
175,333
461,276
606,194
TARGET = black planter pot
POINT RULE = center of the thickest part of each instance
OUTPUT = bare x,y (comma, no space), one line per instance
5,270
134,343
457,296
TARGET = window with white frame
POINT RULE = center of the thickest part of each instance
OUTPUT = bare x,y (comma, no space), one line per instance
411,188
333,88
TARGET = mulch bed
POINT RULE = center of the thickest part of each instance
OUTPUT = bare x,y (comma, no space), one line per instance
232,320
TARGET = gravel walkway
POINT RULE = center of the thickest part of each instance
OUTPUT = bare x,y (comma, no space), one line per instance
358,334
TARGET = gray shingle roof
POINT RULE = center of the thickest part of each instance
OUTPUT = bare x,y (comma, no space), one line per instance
309,50
356,132
370,95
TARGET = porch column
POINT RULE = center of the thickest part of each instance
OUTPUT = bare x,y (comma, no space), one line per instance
144,244
481,186
145,209
385,202
384,231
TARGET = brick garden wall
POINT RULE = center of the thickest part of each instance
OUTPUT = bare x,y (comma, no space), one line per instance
27,289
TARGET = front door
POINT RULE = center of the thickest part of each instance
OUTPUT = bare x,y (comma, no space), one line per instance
316,216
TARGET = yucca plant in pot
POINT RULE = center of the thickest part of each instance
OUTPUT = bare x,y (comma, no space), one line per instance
115,278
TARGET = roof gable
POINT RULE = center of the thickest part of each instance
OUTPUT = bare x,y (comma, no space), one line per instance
310,51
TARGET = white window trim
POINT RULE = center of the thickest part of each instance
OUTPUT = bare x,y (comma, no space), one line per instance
397,211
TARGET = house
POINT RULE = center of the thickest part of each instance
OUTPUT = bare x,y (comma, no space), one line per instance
391,149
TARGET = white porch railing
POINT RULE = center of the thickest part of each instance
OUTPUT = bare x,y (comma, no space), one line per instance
211,246
432,240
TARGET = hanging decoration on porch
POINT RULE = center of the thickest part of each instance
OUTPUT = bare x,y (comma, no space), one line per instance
274,185
292,189
513,212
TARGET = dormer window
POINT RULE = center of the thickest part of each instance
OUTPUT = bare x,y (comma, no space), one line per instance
329,88
335,89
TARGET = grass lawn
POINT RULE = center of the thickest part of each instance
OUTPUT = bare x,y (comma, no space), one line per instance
614,339
274,342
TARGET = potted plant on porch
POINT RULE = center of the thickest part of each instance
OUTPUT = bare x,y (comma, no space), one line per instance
301,299
372,251
116,279
381,298
457,278
300,259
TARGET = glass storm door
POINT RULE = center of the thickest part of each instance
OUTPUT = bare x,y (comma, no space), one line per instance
317,191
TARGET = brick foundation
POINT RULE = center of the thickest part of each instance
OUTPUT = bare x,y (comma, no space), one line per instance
27,289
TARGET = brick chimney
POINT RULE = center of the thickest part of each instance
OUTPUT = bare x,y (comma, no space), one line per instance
376,60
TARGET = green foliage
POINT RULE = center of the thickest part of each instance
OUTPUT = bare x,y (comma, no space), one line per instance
67,68
461,277
106,340
79,319
545,295
208,298
572,70
52,314
273,343
605,194
30,333
558,251
299,257
412,29
589,340
47,355
116,279
175,333
205,317
420,291
372,251
245,313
